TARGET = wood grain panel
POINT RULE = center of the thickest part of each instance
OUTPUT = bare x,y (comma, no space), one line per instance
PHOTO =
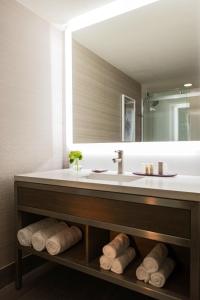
97,90
142,216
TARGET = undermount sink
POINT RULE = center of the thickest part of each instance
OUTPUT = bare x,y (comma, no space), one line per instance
113,177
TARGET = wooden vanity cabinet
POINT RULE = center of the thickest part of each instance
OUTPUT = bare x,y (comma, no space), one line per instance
100,215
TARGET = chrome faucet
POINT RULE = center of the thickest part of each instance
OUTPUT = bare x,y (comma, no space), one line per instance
120,161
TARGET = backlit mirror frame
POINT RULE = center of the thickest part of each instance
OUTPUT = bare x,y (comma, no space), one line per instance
139,148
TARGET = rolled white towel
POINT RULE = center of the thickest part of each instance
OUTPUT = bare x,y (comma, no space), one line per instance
116,246
155,258
40,237
142,273
63,240
159,278
121,262
105,262
24,235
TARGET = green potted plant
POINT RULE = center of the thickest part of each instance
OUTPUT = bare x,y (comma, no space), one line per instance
74,157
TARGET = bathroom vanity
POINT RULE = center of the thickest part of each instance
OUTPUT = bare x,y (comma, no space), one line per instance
146,208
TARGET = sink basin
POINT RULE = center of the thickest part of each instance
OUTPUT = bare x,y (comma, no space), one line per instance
113,177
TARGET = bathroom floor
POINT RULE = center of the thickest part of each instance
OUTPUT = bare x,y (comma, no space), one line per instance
61,284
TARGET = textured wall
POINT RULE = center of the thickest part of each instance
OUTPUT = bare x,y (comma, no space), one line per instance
97,90
31,53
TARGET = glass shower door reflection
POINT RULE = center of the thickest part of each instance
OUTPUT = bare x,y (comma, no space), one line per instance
171,116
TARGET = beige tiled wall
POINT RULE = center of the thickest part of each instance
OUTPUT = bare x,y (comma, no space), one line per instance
31,63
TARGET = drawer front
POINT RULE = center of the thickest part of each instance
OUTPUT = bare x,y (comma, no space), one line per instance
166,220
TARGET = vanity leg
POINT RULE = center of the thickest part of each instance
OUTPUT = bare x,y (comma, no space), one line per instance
195,254
18,252
18,269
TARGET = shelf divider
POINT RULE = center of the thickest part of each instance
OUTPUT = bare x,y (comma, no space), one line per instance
96,238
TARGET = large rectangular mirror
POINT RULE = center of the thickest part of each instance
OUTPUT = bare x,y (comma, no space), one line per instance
136,77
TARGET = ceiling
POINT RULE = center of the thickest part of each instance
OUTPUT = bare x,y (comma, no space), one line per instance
158,42
61,11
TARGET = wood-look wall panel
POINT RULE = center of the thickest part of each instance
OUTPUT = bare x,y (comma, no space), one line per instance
97,90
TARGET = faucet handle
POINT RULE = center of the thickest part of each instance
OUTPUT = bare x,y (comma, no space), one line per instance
119,152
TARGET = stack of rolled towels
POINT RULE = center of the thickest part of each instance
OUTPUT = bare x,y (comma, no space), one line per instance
156,266
117,254
50,234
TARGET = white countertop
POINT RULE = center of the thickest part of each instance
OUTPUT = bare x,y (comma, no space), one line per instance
179,187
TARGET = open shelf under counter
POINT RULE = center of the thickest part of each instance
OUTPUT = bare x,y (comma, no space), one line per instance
171,221
73,257
176,288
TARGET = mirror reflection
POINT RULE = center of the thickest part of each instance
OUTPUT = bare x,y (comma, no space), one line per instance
136,76
128,119
172,116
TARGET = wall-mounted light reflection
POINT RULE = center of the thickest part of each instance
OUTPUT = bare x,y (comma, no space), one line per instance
106,12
